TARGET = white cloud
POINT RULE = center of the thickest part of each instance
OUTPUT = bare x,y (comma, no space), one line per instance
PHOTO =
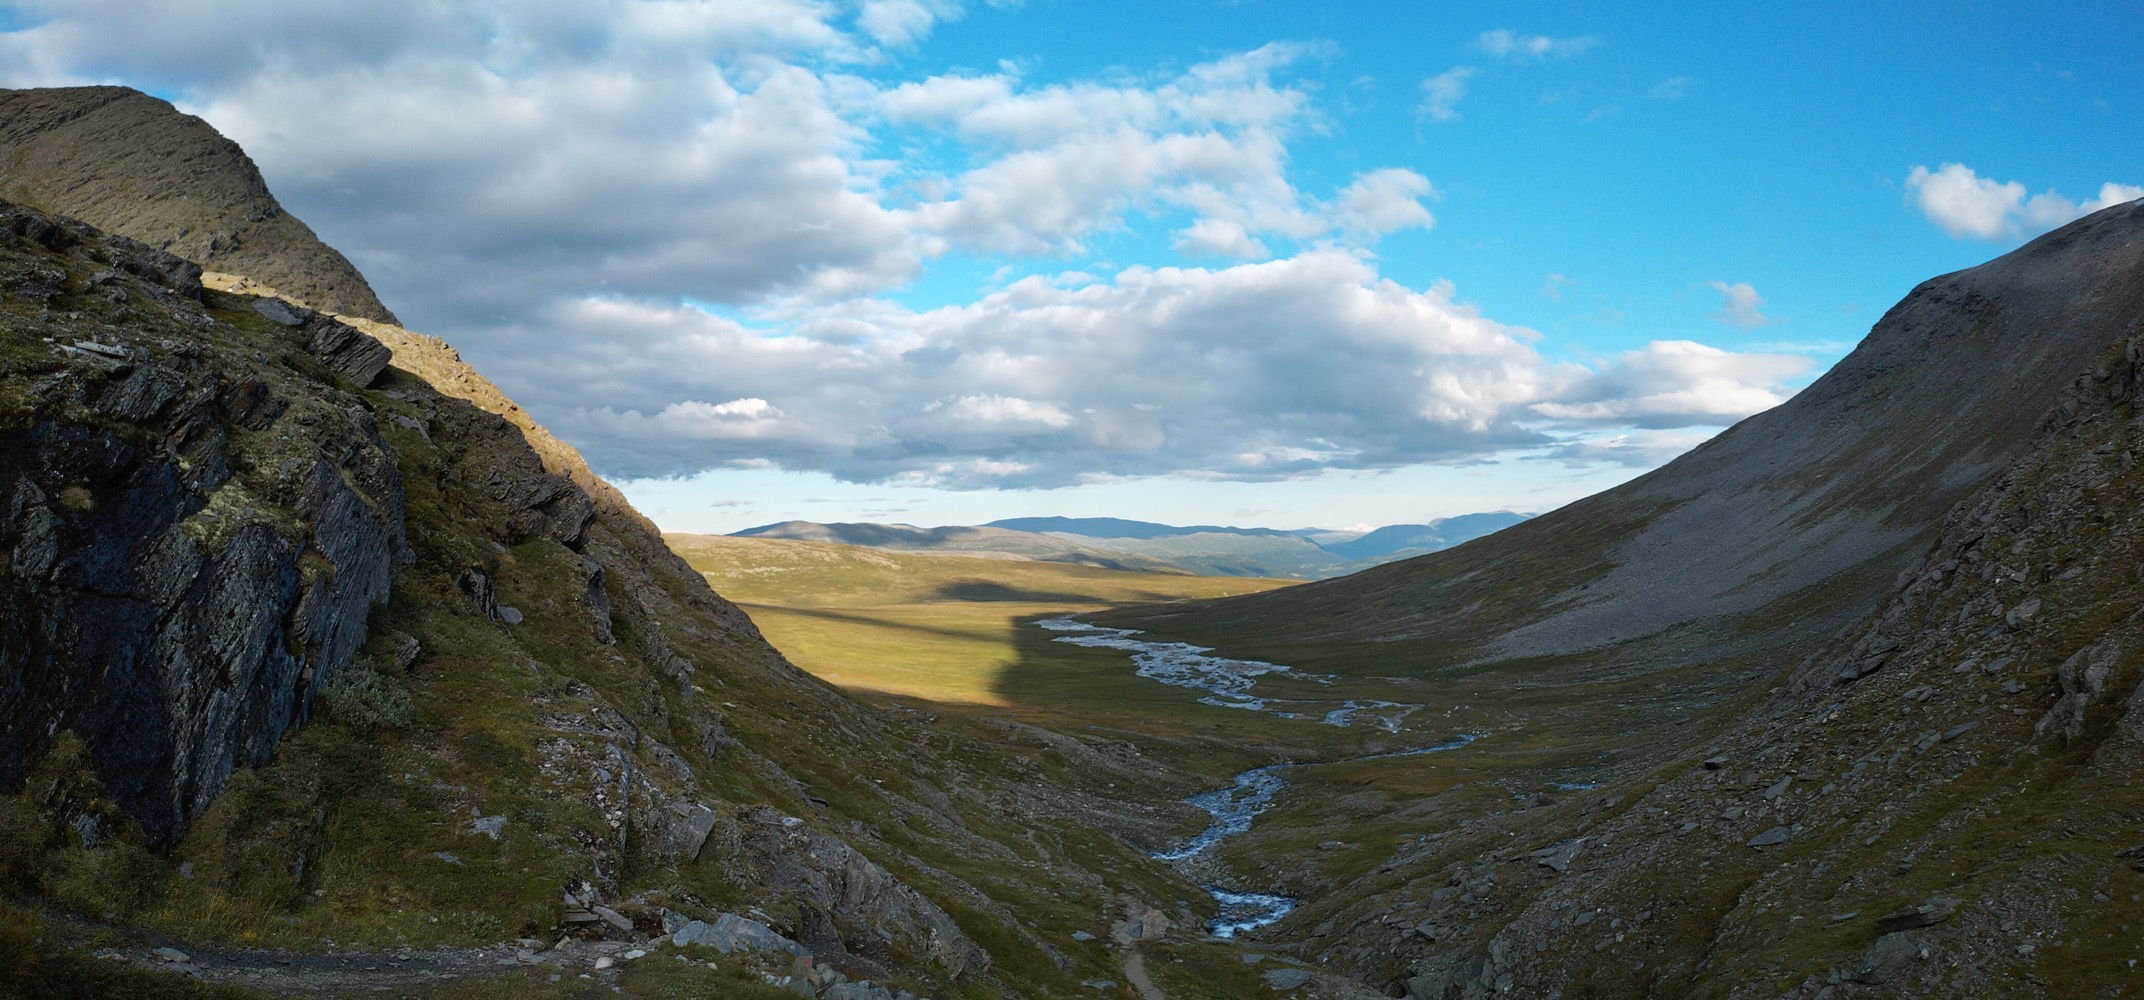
1740,305
1509,44
1966,204
1054,165
1553,285
1441,94
1222,238
558,187
901,23
1636,449
1302,364
1676,383
1385,201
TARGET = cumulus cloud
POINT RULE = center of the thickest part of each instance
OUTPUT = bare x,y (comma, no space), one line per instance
901,23
1303,363
1058,163
669,228
1965,204
1385,201
1509,44
1740,305
1441,94
1676,383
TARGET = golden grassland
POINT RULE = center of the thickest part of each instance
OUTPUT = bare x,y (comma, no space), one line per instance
940,628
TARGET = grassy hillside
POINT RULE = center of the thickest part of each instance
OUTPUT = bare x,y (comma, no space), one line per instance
940,628
547,703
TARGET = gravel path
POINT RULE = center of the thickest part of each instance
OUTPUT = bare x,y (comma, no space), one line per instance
294,973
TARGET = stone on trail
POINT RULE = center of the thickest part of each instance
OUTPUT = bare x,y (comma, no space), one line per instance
1770,838
1287,979
1927,913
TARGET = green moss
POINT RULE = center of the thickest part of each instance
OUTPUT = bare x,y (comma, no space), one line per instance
364,698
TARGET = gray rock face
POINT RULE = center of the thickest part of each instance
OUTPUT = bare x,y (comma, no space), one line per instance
176,611
731,932
681,838
860,906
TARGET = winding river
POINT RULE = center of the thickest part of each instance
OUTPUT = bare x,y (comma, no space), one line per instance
1230,684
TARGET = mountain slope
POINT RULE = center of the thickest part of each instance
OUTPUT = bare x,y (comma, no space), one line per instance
1794,518
1937,801
129,164
313,639
1878,736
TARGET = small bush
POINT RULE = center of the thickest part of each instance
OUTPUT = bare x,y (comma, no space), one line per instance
24,836
116,881
363,698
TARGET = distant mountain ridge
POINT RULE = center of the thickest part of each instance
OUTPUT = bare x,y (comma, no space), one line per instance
1117,527
1120,543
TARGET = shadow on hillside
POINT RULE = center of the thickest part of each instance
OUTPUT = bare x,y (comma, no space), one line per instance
988,591
857,619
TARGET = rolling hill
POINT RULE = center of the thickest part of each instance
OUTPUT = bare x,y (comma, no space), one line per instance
1211,550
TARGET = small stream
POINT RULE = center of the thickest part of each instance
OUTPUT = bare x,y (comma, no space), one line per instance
1230,684
1233,808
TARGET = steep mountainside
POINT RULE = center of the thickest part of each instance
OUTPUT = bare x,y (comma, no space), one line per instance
225,514
1915,777
128,163
1796,517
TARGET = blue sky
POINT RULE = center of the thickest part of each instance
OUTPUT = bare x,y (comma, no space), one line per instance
1252,262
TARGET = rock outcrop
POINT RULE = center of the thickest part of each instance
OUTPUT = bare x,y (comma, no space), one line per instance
192,551
129,164
222,511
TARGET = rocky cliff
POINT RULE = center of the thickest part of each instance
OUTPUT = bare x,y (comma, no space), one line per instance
128,163
225,513
193,549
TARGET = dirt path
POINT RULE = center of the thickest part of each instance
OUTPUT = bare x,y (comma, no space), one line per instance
1135,973
290,973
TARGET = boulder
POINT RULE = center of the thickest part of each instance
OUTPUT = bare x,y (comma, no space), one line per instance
1287,979
730,933
1770,838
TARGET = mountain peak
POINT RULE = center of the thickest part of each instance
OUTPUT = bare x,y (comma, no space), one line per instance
134,166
